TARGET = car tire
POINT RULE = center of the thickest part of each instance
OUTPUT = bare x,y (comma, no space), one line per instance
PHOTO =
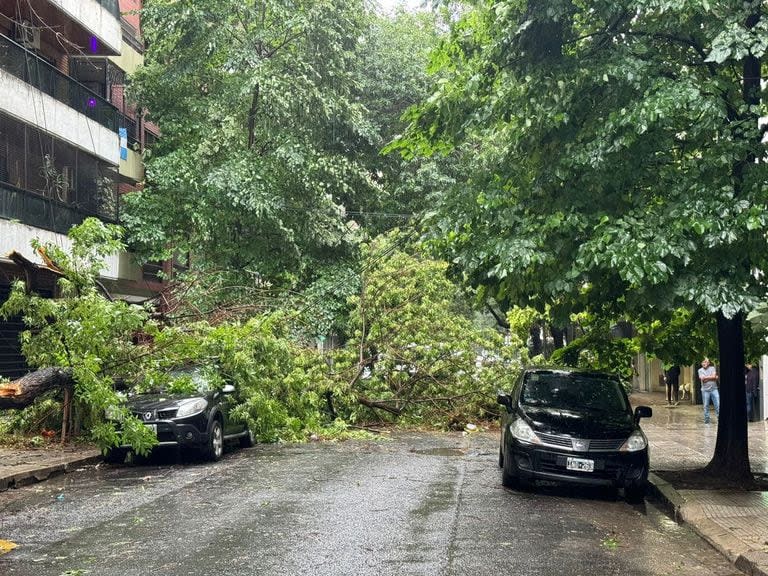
115,456
215,448
509,477
635,493
247,441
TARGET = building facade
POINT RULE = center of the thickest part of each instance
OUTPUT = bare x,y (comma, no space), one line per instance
70,142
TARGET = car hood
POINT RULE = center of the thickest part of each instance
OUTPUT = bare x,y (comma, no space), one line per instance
580,424
151,402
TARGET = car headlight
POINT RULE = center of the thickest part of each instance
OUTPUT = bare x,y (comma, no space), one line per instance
191,407
521,431
635,442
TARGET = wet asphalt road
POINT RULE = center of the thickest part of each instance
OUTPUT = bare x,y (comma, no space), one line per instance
418,504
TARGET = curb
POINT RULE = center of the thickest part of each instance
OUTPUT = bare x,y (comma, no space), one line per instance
32,473
750,561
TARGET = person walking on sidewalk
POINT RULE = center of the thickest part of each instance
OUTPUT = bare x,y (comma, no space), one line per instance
752,381
708,378
673,385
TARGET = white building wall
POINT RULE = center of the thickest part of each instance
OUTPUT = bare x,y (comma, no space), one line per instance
763,393
97,19
18,237
30,105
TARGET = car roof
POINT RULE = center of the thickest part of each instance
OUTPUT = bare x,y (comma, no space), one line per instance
568,370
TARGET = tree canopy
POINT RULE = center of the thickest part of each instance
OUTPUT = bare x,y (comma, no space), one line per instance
619,162
257,108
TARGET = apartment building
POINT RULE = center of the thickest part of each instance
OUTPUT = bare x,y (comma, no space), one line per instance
70,143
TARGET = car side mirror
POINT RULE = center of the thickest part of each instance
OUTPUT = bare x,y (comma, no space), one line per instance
227,389
505,400
643,412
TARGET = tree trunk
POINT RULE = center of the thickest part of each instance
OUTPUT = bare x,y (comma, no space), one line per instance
731,457
558,337
252,116
536,343
379,405
22,392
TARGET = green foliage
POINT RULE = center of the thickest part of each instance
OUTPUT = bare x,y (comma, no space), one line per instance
323,304
82,329
415,354
260,124
613,153
393,76
597,349
43,413
279,382
520,321
678,337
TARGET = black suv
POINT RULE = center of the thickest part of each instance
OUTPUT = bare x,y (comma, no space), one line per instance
567,425
197,417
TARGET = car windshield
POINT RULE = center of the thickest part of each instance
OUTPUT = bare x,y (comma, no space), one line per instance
187,381
571,391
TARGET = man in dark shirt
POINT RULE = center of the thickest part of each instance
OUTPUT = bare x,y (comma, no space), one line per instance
752,381
673,385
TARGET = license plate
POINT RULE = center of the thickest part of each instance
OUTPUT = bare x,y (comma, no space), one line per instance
152,427
580,464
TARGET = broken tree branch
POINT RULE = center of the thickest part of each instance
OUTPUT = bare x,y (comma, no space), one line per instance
22,392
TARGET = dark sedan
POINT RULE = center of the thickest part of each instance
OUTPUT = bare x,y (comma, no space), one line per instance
573,426
188,411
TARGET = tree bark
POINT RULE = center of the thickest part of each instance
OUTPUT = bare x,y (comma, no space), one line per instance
536,343
558,337
22,392
731,457
252,116
380,405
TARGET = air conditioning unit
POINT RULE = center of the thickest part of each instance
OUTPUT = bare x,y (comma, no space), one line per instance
27,35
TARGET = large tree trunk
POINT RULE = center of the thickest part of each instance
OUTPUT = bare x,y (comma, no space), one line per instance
731,458
558,337
22,392
537,347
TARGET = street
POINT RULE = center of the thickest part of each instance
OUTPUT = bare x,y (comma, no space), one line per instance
416,504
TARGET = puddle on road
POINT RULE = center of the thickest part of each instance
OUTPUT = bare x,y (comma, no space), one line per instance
439,451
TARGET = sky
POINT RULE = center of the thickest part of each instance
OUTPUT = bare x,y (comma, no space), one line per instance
390,5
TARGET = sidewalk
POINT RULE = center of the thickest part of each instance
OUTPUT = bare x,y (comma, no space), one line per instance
735,523
22,467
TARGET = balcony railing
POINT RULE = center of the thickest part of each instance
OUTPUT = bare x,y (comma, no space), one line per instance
33,70
41,212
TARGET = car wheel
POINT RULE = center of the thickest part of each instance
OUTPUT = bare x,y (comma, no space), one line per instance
215,448
115,456
509,477
248,440
635,493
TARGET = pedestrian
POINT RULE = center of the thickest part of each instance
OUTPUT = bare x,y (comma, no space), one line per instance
708,378
752,381
673,385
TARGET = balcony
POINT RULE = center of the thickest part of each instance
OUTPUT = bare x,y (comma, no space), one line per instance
92,26
47,183
61,103
40,212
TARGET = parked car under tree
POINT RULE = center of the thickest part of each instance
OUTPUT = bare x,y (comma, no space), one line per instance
572,426
190,410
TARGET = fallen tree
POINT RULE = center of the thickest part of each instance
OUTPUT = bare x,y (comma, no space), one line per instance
22,392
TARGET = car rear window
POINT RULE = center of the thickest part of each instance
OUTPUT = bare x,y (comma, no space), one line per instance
567,391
